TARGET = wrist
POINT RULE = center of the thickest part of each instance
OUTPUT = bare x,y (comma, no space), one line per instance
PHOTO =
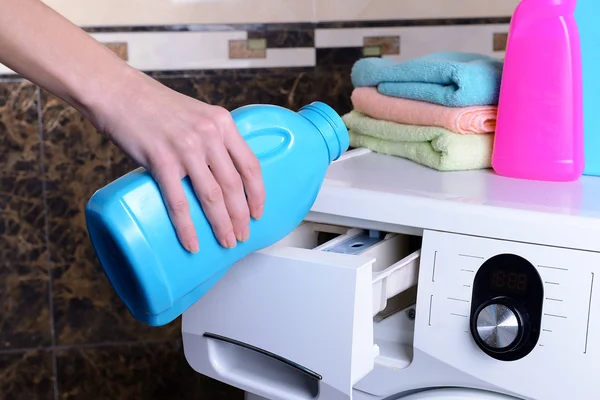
102,100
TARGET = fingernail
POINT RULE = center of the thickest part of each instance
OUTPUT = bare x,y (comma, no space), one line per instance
193,246
230,240
245,233
259,212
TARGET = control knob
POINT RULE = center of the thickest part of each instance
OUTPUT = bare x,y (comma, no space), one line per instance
498,327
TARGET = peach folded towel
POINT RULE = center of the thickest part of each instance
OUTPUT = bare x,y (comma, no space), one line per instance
465,120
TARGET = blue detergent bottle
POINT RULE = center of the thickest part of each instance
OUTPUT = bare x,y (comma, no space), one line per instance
137,245
586,15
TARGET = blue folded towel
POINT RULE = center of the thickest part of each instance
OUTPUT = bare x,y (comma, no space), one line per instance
450,79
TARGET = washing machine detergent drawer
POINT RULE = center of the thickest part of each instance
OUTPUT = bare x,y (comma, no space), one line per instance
295,321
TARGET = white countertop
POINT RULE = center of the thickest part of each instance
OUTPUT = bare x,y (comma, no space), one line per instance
385,189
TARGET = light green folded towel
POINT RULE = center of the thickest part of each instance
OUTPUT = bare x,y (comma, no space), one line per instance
434,147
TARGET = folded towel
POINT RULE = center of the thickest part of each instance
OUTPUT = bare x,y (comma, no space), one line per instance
464,120
450,79
434,147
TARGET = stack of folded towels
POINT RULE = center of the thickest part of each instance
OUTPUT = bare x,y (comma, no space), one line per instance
439,110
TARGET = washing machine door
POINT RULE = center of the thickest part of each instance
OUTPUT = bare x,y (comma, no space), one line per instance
457,394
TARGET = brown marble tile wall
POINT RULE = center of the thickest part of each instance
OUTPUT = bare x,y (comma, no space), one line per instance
27,375
134,371
24,301
78,161
64,334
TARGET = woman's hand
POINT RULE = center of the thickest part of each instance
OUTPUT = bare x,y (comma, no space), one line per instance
174,136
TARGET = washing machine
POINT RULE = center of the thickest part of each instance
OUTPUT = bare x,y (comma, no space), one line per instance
409,283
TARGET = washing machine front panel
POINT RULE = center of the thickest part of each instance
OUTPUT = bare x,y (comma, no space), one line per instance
515,315
456,394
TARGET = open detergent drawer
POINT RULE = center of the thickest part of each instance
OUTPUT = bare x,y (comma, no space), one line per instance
315,293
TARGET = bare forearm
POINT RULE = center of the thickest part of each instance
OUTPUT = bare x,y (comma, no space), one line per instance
44,47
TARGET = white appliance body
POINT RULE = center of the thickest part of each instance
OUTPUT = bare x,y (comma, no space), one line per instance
497,301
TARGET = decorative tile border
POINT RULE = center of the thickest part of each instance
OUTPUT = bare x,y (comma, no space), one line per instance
414,22
202,47
302,26
343,46
500,40
279,37
341,55
382,45
120,49
249,48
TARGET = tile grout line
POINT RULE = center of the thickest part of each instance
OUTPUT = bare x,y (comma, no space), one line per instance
47,240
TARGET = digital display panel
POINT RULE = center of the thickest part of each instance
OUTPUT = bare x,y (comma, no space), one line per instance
508,280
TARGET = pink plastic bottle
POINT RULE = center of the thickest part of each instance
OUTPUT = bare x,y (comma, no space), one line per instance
539,132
